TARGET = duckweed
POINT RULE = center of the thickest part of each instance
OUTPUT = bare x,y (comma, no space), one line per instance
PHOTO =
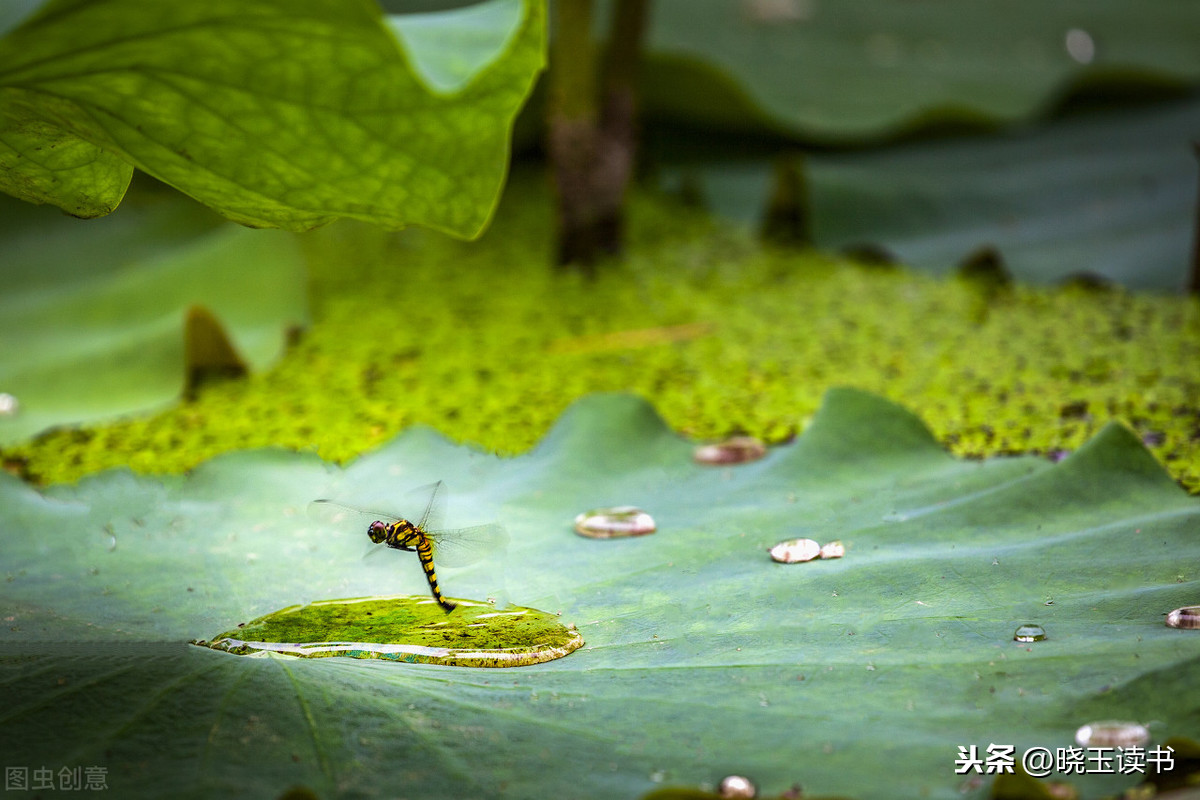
412,629
723,334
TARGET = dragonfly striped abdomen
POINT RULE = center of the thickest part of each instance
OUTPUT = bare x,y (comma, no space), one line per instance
456,547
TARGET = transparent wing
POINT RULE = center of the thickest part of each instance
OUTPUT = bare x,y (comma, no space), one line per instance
349,520
435,505
463,546
432,497
451,548
346,518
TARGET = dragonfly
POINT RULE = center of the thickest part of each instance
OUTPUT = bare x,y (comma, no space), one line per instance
456,547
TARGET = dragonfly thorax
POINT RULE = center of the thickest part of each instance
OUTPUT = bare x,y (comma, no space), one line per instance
401,534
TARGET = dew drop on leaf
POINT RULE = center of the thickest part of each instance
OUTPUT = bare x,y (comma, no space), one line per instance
1112,733
609,523
734,450
8,405
736,786
110,538
1080,45
833,550
1029,632
1187,617
795,551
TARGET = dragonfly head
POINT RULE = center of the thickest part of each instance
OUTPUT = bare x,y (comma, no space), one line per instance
377,531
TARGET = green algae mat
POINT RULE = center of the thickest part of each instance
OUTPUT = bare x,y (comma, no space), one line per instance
721,333
407,628
860,676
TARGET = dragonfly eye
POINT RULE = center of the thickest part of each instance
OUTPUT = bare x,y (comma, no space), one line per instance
377,531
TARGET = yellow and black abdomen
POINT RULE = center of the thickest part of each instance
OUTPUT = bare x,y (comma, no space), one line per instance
425,553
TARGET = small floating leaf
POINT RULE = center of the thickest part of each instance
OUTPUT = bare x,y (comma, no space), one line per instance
406,628
610,523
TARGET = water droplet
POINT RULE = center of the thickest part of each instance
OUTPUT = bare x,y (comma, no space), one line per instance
774,12
734,450
1080,45
736,786
1112,733
794,551
608,523
895,516
8,405
1029,632
1186,617
833,550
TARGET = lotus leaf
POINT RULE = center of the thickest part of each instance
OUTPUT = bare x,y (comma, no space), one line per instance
859,676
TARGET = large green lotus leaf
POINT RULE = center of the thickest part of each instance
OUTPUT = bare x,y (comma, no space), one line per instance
864,70
92,317
1110,193
283,113
859,676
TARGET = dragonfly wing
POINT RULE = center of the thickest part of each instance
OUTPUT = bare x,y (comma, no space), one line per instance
346,517
463,546
452,548
434,495
349,519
